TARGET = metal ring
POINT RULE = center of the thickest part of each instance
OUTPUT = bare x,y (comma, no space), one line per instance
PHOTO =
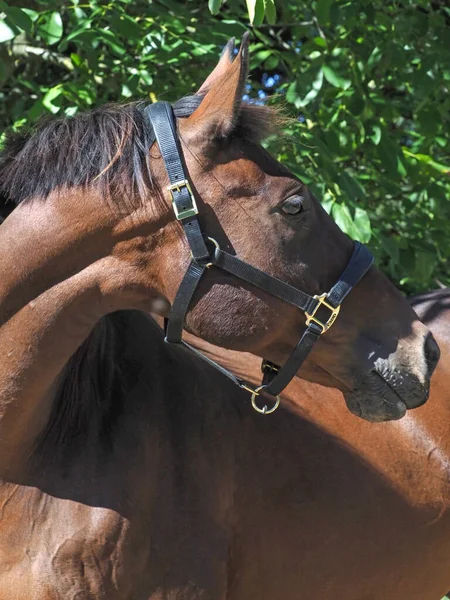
214,242
210,264
265,410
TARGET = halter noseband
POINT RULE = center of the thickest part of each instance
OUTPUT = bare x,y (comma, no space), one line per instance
206,253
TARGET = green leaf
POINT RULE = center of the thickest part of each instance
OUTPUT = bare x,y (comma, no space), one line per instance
391,247
319,41
323,11
362,226
255,11
352,187
126,26
343,218
20,18
51,95
314,92
113,42
389,154
76,59
332,77
427,160
214,6
375,134
34,15
78,31
424,266
51,27
291,94
6,33
332,140
271,63
271,11
374,58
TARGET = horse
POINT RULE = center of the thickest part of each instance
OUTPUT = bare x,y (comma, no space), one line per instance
123,459
366,513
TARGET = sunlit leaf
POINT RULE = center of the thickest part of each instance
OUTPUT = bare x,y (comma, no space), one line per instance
314,92
51,27
255,11
270,11
51,95
362,226
341,214
332,77
214,6
6,32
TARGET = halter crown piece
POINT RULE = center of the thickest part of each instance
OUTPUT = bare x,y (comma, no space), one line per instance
206,253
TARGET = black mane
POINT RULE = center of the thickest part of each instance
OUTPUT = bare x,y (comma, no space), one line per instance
107,146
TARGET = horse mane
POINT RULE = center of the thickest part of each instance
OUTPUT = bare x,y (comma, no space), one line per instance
88,395
107,147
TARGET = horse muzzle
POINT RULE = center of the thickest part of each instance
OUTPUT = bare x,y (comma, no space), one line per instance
389,390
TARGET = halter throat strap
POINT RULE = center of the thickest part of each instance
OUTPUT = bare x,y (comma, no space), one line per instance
206,253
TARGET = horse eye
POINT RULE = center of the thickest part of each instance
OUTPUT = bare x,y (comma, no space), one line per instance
293,205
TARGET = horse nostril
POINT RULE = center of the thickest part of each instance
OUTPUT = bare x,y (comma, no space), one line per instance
432,352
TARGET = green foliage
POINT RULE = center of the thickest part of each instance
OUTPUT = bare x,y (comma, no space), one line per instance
367,82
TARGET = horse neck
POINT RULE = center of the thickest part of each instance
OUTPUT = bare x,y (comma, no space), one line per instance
125,382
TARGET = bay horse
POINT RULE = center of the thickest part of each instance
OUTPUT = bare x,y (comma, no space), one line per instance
125,463
343,508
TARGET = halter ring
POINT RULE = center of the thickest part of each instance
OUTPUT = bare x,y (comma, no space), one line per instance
210,264
264,410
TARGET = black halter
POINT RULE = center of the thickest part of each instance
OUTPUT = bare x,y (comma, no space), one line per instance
206,253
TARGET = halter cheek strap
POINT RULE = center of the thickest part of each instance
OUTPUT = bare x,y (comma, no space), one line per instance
206,253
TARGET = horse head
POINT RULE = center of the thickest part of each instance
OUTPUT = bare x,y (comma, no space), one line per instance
103,182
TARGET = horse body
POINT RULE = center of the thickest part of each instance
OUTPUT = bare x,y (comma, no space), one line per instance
142,513
130,471
355,510
309,501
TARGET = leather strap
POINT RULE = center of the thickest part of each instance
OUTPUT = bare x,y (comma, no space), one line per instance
180,306
164,125
360,262
275,381
264,281
277,378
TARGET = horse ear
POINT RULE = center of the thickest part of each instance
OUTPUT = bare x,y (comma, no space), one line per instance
225,61
217,114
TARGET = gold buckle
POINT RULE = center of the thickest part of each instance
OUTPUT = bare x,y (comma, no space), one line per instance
334,313
269,366
187,212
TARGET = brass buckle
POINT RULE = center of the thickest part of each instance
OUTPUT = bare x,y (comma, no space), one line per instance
332,318
188,212
267,365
